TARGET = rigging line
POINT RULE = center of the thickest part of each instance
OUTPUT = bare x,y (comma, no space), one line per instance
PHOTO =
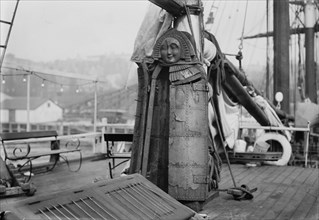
243,30
64,84
297,15
255,43
297,18
38,72
28,72
128,76
9,33
300,75
257,24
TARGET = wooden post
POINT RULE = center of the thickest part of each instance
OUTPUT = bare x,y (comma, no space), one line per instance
95,114
28,102
55,145
310,20
267,54
307,144
281,51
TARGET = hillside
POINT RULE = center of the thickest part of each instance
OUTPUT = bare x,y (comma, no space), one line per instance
113,69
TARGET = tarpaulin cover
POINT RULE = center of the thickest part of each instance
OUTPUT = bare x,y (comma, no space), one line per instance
155,23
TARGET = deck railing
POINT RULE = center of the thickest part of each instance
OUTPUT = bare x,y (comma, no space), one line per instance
282,128
66,128
95,138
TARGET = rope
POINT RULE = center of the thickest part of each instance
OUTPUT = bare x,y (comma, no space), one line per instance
190,24
242,33
240,193
128,76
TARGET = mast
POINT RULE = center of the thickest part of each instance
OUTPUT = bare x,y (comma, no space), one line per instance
281,51
267,52
311,90
281,40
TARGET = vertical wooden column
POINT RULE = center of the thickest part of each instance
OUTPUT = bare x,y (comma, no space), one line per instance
140,120
28,102
281,51
157,170
310,20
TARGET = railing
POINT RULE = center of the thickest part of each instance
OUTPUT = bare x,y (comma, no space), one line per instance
66,128
96,138
282,128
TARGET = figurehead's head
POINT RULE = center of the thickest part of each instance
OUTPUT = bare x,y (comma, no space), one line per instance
175,47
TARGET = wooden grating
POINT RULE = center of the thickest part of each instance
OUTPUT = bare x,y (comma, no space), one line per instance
129,197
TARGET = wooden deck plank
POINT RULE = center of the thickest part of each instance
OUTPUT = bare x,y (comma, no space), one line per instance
316,182
266,187
301,178
280,205
296,193
62,179
285,173
258,181
225,174
226,207
288,192
305,205
306,181
277,172
268,199
313,213
255,174
226,180
289,179
294,202
219,207
248,172
312,177
271,192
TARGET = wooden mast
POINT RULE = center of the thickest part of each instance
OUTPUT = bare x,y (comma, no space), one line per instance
281,40
311,90
281,51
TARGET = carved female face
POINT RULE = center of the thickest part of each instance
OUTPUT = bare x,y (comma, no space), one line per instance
170,50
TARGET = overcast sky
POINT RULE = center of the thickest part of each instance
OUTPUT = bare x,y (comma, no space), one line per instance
45,30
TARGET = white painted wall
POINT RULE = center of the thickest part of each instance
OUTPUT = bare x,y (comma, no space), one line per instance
47,112
4,113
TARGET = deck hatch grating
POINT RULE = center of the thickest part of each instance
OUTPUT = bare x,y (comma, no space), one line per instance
87,208
131,197
139,200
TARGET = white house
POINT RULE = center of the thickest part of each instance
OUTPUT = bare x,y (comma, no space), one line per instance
41,110
4,96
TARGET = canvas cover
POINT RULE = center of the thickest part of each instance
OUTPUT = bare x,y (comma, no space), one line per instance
155,23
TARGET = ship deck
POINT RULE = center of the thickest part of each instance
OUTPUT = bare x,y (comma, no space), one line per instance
283,192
